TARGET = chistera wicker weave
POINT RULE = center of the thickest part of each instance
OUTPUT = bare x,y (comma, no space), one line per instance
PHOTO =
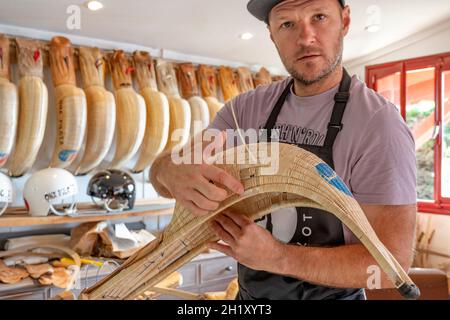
302,180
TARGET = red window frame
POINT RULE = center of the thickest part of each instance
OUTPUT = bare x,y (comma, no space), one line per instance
441,63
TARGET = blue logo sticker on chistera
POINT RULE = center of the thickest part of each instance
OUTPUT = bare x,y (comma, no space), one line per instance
332,178
67,155
3,158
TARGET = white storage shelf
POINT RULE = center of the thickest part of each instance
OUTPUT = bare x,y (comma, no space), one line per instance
19,218
206,273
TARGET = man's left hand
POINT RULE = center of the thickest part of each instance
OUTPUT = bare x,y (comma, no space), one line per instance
247,242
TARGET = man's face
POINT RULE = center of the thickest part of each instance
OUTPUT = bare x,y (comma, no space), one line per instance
309,36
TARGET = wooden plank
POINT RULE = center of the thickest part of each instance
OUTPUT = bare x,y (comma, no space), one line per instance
17,217
17,221
90,206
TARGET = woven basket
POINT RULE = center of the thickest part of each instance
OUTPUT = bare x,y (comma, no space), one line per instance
301,180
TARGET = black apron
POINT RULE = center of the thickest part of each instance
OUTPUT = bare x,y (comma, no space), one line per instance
314,227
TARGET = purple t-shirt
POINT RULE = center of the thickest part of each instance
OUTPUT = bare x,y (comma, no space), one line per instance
374,153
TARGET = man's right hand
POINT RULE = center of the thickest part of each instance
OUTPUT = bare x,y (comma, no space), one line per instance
194,185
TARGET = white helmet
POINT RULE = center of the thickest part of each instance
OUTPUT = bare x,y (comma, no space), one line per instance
48,187
6,192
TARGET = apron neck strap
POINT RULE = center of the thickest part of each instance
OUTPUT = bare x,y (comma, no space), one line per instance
340,102
335,125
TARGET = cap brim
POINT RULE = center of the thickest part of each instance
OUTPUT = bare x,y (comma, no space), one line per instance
261,8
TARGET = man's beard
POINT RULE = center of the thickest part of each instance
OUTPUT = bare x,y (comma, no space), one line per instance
330,67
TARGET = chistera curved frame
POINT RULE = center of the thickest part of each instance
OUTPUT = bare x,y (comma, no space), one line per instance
274,176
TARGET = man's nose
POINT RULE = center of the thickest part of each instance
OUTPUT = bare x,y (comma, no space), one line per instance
306,34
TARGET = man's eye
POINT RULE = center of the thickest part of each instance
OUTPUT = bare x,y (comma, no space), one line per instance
286,25
319,17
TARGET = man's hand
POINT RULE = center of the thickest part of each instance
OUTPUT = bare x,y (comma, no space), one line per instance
193,185
247,242
345,266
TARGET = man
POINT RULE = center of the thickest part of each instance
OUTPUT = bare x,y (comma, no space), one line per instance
352,128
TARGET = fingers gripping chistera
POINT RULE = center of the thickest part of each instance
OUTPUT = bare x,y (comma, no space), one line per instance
197,185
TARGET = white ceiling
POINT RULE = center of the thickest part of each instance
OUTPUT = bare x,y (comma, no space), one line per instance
211,28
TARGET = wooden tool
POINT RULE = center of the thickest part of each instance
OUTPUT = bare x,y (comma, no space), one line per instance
274,176
228,83
8,104
131,110
33,107
158,111
180,111
191,92
70,104
262,77
245,79
101,110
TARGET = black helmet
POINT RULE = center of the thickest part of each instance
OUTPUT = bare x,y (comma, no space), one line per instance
113,186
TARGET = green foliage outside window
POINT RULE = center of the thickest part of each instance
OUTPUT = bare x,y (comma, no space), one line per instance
424,156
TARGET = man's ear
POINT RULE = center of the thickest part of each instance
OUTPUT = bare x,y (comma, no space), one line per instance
346,20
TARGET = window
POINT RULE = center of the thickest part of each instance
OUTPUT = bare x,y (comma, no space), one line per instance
420,88
420,118
389,87
445,160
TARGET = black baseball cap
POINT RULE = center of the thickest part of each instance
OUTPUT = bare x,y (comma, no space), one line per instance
261,8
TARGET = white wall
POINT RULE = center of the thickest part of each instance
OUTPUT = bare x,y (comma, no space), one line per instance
436,231
433,41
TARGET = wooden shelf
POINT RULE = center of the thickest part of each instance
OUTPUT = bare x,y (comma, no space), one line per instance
17,217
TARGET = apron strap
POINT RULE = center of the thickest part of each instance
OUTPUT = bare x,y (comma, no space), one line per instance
270,124
341,99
